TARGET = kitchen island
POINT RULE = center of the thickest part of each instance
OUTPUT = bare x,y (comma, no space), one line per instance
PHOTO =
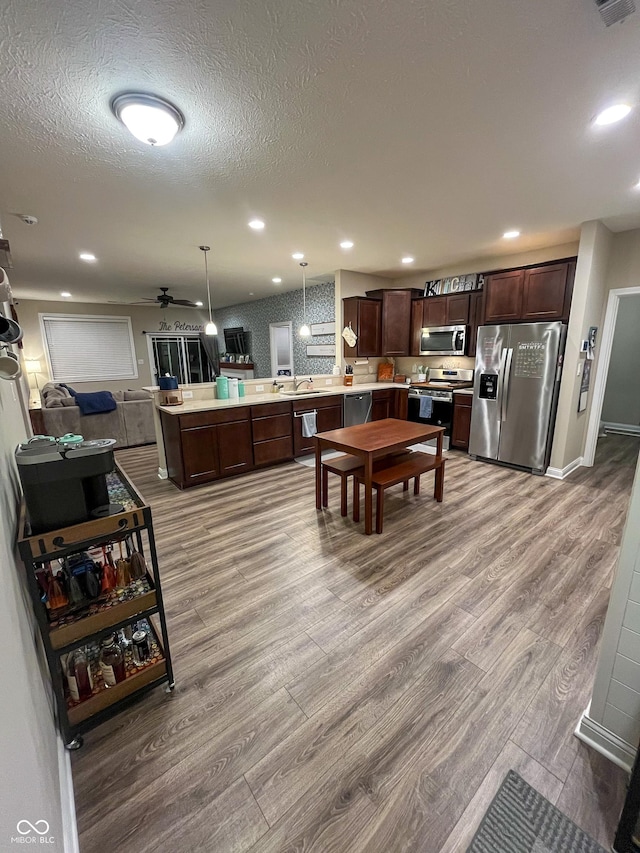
206,439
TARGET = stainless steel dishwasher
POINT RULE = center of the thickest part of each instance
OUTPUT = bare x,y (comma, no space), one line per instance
357,408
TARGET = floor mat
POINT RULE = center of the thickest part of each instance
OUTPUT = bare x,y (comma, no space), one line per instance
520,820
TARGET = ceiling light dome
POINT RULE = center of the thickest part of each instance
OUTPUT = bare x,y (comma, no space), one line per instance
613,114
149,118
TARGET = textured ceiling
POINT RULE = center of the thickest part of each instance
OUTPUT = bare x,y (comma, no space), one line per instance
417,127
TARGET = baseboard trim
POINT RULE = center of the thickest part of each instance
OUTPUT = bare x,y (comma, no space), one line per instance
563,473
70,841
605,742
163,474
621,429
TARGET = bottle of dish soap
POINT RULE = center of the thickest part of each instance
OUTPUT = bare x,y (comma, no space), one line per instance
274,387
310,384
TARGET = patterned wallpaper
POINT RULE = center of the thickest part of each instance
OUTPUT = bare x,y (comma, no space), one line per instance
256,316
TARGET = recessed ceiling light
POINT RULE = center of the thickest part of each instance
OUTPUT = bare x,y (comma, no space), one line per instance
346,244
256,224
408,259
297,256
198,304
511,235
149,118
65,293
251,293
276,280
89,257
613,114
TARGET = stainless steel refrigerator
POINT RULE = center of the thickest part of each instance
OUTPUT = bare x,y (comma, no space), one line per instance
515,393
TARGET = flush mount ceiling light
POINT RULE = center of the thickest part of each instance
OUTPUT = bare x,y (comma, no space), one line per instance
89,257
276,280
511,235
297,256
256,224
346,244
149,118
65,293
210,328
408,259
304,330
612,114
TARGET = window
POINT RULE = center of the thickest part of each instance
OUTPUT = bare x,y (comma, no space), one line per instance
182,356
84,348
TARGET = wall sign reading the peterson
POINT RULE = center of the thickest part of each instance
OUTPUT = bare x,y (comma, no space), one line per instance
179,326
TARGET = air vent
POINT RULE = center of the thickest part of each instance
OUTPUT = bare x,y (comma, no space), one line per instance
615,11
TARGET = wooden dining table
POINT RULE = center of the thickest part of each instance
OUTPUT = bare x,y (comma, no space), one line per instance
372,441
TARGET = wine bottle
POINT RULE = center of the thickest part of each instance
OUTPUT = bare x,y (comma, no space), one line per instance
79,675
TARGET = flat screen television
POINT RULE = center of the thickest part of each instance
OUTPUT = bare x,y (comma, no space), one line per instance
236,341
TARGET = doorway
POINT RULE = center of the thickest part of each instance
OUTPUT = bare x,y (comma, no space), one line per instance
622,304
182,356
281,343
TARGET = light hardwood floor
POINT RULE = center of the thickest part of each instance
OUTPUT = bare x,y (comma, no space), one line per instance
344,693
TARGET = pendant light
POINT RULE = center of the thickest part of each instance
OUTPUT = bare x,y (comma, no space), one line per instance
304,330
210,328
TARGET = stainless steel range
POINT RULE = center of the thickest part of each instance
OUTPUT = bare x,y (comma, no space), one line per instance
431,402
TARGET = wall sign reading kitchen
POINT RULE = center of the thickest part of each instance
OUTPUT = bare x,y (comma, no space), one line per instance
454,284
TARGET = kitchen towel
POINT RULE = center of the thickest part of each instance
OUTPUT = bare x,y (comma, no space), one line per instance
309,427
426,406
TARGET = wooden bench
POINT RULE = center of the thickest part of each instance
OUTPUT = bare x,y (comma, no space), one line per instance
347,466
400,472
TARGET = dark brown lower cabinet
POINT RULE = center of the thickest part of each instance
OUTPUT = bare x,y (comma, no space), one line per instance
272,433
461,428
328,416
382,404
200,454
204,446
235,448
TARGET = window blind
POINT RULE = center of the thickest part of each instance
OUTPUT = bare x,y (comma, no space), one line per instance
85,348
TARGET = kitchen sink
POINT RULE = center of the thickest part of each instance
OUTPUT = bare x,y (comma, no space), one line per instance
303,392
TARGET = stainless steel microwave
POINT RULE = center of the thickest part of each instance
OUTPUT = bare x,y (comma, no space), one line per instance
443,340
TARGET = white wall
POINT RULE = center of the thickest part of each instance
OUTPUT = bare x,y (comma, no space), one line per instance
29,770
622,393
143,319
612,723
587,309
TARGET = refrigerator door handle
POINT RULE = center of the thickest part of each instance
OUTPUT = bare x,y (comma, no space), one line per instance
501,375
505,384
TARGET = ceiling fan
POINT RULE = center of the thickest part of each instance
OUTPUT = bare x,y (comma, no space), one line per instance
164,299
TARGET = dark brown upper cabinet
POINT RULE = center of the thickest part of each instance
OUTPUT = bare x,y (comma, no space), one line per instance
543,292
365,318
529,295
503,297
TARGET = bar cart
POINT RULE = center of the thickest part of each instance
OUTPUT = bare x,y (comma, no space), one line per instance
86,622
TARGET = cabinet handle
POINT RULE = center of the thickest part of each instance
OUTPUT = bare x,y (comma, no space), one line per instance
312,412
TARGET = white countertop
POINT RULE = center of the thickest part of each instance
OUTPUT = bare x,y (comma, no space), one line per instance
190,406
468,392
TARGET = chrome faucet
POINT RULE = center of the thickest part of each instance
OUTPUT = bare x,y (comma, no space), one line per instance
298,382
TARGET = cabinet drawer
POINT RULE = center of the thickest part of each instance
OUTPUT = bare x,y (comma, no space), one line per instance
267,409
318,401
275,450
221,416
276,426
463,400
